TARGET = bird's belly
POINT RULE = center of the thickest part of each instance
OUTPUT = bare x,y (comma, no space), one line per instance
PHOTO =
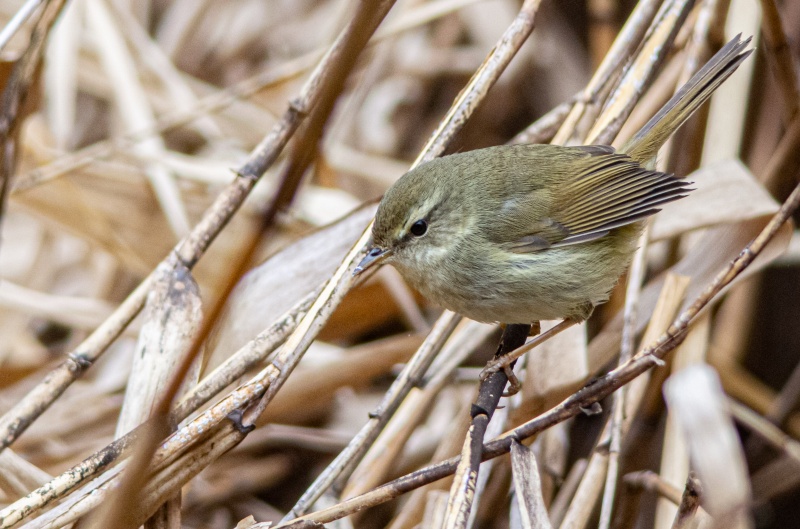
554,284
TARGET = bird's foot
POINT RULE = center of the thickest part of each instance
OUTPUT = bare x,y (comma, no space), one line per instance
497,365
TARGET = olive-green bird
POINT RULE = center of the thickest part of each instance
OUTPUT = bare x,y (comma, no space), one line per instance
523,233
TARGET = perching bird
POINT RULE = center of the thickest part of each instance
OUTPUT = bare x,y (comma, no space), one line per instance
523,233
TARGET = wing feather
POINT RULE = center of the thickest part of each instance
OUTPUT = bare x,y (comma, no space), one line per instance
606,191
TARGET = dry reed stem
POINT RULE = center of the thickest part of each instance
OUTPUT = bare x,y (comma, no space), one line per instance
601,388
528,487
463,490
695,396
697,54
383,454
411,514
310,325
194,246
173,316
363,25
248,356
60,77
560,504
19,18
766,431
674,453
589,489
545,128
179,91
462,108
697,51
260,514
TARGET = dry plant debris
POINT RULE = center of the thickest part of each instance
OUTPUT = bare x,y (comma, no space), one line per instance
155,149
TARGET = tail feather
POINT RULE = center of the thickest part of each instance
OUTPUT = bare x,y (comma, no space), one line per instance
645,144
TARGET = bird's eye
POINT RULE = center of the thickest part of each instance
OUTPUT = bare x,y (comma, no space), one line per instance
419,228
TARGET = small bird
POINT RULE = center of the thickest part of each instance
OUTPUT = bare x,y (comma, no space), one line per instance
522,233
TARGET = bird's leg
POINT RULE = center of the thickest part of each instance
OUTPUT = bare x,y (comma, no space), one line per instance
503,362
514,385
491,387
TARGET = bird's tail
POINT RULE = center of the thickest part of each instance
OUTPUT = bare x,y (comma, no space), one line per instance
645,144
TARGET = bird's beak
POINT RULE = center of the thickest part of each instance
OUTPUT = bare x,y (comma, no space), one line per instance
373,257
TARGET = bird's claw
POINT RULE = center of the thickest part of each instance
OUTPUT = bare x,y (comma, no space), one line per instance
514,384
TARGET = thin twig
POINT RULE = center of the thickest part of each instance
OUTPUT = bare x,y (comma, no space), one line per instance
766,430
483,79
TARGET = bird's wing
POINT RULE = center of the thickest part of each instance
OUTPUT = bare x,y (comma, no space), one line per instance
606,191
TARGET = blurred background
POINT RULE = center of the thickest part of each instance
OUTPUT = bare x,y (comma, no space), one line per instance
139,114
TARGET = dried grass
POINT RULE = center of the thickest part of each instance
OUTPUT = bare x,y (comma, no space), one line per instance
146,128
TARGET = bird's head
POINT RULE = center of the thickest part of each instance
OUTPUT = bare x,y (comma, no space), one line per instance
415,221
